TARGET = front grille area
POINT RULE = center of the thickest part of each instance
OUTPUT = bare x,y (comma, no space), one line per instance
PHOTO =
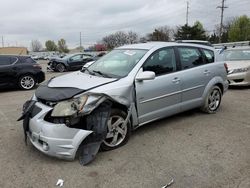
238,80
48,103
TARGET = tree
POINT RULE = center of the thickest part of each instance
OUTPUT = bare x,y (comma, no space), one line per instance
240,29
50,45
160,34
195,32
120,38
62,47
36,46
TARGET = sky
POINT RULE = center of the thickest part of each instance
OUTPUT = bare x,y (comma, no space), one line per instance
22,21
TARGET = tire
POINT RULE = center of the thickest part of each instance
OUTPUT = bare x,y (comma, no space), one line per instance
117,135
213,100
27,82
60,67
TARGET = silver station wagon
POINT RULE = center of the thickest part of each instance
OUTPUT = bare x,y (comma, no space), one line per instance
98,107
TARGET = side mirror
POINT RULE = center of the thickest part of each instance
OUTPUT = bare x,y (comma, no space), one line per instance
146,75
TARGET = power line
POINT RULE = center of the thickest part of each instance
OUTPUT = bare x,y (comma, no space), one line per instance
187,13
222,7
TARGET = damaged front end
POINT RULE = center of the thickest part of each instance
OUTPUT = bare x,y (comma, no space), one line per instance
62,128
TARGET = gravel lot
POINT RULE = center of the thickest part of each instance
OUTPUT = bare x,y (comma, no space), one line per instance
196,149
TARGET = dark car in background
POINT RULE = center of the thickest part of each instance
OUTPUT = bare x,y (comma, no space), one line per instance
20,71
70,62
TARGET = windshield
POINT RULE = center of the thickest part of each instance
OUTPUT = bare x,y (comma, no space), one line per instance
118,63
68,56
237,55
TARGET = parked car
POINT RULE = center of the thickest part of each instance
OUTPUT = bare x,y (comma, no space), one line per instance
130,86
21,71
35,57
238,61
69,62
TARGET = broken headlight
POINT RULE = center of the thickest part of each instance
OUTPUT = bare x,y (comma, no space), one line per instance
69,107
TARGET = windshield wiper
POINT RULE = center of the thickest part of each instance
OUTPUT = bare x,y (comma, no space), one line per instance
86,69
102,74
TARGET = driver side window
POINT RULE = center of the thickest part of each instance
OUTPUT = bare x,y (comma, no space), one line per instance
76,58
161,62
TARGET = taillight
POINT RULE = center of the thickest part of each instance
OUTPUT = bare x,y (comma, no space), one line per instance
37,66
226,67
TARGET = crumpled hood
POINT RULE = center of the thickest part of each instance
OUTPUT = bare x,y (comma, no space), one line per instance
67,86
237,64
79,80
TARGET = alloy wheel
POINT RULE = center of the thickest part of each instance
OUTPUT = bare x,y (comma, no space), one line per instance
214,100
27,82
117,131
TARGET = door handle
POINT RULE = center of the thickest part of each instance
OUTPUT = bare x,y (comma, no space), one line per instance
206,72
176,80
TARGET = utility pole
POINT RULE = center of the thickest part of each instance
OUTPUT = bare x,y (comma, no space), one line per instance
187,13
222,7
80,41
2,42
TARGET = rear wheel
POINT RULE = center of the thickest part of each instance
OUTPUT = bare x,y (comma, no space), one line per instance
26,82
118,132
60,67
213,100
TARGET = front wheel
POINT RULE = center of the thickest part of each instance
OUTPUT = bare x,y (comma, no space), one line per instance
213,100
118,132
60,67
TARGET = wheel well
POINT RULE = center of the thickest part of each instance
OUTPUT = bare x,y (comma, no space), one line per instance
119,106
27,74
123,108
221,87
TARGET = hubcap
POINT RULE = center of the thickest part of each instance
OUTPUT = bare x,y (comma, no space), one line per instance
60,68
27,82
214,100
117,131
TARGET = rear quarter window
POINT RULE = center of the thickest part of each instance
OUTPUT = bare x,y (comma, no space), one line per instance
28,60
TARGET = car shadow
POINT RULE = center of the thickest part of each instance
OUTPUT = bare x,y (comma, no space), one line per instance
166,121
239,87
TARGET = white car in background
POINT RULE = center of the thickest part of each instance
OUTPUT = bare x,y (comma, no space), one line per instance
238,61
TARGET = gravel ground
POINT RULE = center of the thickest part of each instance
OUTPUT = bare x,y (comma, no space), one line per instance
196,149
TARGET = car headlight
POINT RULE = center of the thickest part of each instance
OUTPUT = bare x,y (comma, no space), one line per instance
239,70
69,107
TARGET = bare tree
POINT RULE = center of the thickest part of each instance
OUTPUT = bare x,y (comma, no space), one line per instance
36,46
120,38
132,37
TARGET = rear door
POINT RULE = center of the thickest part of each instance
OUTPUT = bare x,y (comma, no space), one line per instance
75,61
196,73
7,70
159,97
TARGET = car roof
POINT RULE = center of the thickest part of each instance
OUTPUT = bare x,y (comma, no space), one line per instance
150,45
13,55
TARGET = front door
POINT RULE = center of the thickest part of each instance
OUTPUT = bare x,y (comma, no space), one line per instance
162,96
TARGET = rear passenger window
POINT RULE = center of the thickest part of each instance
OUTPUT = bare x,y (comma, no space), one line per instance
5,60
209,55
29,60
161,62
190,57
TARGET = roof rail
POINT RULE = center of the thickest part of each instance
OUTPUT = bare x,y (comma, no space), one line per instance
200,42
232,44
